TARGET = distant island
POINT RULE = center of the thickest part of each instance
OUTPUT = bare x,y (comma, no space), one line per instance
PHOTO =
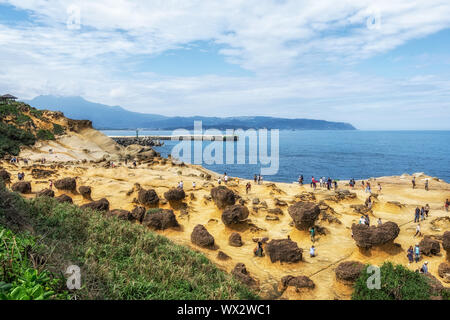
115,117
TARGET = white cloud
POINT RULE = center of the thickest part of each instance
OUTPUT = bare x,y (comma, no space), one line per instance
276,40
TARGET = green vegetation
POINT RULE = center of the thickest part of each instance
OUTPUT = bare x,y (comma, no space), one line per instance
397,283
8,110
36,113
43,134
11,138
118,259
58,129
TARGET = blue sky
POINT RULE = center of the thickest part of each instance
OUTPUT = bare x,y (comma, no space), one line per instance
376,64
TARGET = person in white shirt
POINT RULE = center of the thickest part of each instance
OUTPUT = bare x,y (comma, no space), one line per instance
418,230
312,252
193,184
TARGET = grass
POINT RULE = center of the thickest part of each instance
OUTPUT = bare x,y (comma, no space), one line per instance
11,138
43,134
121,260
397,283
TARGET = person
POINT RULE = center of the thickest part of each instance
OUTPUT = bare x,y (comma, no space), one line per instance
219,181
51,184
410,254
379,222
329,183
426,184
248,187
379,187
180,185
427,209
422,214
261,179
300,180
134,163
367,220
424,268
225,178
312,181
369,202
446,205
416,253
312,231
368,187
255,178
259,250
413,181
312,252
417,215
193,185
418,230
335,184
321,182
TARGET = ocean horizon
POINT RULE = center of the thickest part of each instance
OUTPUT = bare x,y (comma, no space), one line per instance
339,154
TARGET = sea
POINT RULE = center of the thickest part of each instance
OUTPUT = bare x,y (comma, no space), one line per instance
341,155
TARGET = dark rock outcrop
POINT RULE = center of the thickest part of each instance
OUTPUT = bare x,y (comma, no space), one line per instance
22,187
175,195
85,191
284,250
37,173
67,184
138,213
46,193
121,214
429,246
160,219
446,241
366,236
100,205
304,214
235,240
64,198
5,176
223,256
444,270
349,271
148,197
223,197
297,282
201,237
234,214
240,273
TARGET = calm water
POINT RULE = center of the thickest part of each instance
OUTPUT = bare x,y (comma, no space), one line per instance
342,154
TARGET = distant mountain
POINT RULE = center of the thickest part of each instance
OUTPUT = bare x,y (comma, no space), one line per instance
108,117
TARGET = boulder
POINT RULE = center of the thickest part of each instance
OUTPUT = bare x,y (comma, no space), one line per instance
297,282
349,271
121,214
235,240
429,246
138,213
148,197
64,198
240,273
100,205
444,271
366,236
46,193
160,219
436,286
201,237
304,214
22,187
68,184
85,191
5,176
223,197
234,214
284,250
223,256
175,194
446,241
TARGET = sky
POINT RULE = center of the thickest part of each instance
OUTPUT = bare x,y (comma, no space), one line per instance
379,65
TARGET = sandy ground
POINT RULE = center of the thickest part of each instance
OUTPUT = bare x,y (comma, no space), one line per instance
334,247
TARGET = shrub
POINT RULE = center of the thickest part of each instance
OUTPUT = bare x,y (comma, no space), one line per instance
58,129
397,283
36,113
11,138
43,134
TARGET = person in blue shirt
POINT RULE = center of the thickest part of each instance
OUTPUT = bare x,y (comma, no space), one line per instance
416,253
